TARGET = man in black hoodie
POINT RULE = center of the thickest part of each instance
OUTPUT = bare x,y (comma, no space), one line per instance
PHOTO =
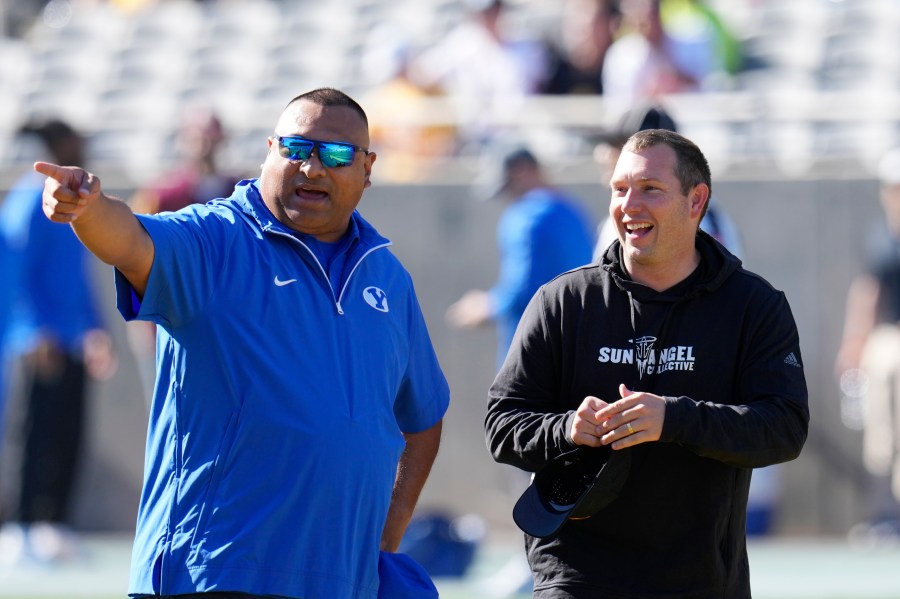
669,350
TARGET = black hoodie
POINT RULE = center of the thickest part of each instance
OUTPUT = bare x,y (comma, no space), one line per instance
722,348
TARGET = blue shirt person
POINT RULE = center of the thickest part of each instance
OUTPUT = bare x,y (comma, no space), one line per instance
298,404
55,340
541,234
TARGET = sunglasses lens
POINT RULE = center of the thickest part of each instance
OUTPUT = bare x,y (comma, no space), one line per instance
333,154
296,149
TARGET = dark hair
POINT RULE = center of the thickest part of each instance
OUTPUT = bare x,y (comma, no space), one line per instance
691,167
328,96
50,132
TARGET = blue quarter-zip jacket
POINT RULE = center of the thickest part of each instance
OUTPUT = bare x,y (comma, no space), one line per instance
280,403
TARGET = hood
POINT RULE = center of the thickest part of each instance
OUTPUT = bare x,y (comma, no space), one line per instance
716,265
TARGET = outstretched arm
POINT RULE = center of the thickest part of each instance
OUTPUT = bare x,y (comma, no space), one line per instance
105,225
415,464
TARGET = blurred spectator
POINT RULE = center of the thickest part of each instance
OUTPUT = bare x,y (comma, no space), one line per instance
6,299
696,19
195,180
869,354
483,66
576,61
649,60
541,234
649,115
16,18
401,120
57,340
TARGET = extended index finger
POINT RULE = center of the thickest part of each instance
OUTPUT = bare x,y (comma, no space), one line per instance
73,179
50,170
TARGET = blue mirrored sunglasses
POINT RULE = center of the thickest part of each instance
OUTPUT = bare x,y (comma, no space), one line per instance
332,154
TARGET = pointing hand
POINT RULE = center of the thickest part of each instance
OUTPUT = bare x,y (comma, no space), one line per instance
68,191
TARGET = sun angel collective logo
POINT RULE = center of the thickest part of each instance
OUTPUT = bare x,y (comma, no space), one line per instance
647,359
644,353
376,298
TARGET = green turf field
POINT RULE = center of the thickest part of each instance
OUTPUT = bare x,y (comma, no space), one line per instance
780,569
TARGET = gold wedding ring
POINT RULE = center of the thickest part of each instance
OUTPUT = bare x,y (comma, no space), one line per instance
630,428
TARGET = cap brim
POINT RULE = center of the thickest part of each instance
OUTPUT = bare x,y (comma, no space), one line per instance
498,190
613,138
536,517
576,484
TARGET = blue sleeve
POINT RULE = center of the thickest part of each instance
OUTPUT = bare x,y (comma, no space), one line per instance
424,394
539,240
513,289
6,294
51,275
187,261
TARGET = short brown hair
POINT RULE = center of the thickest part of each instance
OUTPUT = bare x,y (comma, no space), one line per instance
691,167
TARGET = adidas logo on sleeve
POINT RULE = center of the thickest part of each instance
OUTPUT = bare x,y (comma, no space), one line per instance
791,360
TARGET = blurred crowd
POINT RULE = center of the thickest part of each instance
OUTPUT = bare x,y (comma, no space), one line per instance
445,78
483,57
624,50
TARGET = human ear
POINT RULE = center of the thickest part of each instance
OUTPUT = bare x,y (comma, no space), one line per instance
699,197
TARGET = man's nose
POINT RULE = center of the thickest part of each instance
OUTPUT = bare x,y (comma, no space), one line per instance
312,167
630,201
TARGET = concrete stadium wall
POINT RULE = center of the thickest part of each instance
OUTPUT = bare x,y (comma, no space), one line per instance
805,237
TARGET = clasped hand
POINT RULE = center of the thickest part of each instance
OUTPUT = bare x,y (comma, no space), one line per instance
635,418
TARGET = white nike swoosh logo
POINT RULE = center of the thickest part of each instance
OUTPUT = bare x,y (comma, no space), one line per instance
283,283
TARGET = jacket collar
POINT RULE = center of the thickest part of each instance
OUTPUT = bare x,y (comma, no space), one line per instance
247,199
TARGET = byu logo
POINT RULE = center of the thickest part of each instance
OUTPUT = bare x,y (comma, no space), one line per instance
376,298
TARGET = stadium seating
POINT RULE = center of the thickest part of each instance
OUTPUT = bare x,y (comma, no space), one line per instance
822,77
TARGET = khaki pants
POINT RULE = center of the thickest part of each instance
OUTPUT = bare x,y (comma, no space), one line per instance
881,433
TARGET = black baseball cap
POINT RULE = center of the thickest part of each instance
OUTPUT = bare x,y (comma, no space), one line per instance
639,118
496,179
574,485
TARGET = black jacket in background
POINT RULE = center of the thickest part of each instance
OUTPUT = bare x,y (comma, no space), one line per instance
722,348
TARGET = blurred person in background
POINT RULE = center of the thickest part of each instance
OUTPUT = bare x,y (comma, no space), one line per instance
57,341
6,300
649,60
696,19
299,401
869,353
576,59
485,66
542,232
196,179
413,140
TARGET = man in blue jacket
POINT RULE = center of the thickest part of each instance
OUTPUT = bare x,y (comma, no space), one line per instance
298,404
666,355
542,233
